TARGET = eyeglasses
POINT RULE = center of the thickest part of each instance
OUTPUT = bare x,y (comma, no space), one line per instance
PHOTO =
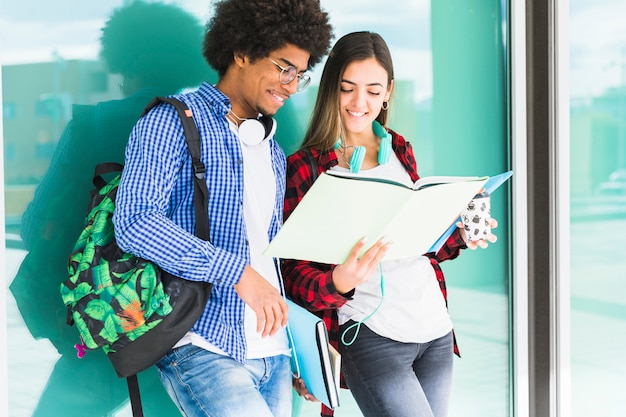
289,73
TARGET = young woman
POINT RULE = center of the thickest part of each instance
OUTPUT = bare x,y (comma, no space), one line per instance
389,319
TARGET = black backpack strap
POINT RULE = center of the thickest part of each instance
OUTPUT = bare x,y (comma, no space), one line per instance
102,169
135,396
201,192
201,205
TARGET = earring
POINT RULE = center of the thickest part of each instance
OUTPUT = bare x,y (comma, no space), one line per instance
385,105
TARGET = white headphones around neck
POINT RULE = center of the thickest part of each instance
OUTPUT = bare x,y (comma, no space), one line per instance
254,131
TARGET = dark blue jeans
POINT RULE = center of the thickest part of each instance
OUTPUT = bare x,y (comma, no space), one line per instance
394,379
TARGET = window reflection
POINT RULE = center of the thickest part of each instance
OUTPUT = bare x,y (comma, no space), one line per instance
147,49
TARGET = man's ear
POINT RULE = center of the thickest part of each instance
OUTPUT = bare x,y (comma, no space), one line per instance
240,59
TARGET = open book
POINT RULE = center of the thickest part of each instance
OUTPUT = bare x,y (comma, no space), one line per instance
420,184
312,357
340,209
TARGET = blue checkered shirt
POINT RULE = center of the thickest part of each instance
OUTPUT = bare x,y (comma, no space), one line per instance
154,216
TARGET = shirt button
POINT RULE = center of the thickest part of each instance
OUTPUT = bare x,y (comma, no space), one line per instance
239,161
218,281
247,242
240,322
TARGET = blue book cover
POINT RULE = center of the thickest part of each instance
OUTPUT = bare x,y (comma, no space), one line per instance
312,358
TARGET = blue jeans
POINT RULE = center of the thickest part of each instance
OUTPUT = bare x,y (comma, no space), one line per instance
390,378
204,384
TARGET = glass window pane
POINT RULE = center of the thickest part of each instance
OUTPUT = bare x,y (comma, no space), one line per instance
70,99
598,207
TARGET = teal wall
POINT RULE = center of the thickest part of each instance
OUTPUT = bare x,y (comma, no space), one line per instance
470,116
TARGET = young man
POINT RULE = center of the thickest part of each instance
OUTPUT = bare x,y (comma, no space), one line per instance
235,359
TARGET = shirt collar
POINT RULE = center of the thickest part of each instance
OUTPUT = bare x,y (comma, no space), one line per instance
214,98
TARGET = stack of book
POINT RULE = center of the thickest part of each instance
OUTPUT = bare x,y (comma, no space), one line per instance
312,357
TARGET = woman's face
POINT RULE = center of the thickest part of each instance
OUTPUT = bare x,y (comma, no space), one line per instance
363,90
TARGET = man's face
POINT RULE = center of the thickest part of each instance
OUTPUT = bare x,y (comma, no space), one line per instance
259,89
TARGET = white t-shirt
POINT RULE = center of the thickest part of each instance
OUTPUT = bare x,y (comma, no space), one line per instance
258,207
413,309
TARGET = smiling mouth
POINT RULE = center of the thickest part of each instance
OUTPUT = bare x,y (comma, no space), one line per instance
277,97
356,113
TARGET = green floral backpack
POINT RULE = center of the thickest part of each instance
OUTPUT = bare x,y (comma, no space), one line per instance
123,304
113,297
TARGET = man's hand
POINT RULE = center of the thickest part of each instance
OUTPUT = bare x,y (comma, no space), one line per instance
264,299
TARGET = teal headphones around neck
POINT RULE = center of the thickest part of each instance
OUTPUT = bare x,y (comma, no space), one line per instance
358,155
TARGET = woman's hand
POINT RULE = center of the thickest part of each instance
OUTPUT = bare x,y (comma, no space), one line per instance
355,270
482,243
301,389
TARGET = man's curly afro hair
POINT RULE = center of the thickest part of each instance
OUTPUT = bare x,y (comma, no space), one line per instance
257,27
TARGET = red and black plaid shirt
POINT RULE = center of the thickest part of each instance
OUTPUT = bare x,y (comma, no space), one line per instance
310,284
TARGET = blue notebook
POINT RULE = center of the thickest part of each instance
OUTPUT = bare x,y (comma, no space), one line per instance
312,357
